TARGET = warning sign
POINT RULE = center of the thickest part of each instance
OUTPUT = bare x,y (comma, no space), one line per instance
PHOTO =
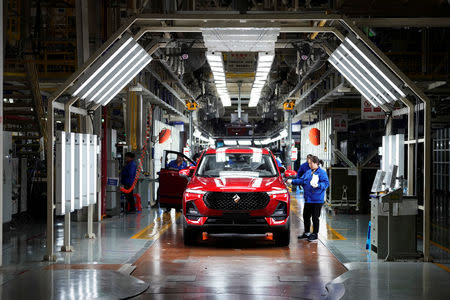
368,112
340,122
294,153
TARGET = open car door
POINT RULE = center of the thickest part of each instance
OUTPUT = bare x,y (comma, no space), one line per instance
171,184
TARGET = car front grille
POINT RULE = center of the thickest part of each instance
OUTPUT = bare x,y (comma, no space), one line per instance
227,201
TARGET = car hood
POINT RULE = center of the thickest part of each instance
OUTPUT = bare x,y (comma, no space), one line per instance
237,184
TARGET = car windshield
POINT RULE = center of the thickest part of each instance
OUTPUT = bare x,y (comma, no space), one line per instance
224,164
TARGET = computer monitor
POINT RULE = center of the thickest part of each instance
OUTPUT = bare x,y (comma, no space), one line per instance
377,185
391,176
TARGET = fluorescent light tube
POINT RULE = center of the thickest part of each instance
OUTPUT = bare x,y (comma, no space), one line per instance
245,142
110,70
394,98
347,76
102,66
362,85
376,68
229,142
363,76
126,78
117,74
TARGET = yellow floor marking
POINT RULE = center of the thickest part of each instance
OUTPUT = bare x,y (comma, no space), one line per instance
332,234
443,267
435,244
157,228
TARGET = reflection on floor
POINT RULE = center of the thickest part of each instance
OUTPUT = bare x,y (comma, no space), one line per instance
230,265
224,266
24,248
344,235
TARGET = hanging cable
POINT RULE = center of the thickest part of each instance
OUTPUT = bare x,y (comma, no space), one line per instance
143,152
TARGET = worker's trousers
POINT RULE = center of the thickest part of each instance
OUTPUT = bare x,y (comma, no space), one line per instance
312,210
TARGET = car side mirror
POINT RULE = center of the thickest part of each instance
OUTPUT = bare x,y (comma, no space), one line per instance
289,174
188,172
184,172
282,169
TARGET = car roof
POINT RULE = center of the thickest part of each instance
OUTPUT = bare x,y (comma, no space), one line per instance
237,149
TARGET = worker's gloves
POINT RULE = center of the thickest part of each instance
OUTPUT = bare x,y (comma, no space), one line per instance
289,182
314,181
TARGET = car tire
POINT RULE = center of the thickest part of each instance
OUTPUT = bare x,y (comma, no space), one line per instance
189,236
283,238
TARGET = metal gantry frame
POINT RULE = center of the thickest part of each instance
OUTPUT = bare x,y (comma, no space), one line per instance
194,23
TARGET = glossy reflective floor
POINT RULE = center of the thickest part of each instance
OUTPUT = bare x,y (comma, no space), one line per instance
150,247
250,266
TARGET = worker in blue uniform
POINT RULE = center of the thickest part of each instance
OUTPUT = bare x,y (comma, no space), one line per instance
127,177
304,167
314,183
178,163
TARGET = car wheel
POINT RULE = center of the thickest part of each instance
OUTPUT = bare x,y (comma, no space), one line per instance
283,238
189,236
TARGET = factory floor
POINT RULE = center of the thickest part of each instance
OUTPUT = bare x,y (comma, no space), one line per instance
148,246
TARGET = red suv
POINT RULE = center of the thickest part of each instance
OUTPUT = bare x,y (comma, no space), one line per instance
236,190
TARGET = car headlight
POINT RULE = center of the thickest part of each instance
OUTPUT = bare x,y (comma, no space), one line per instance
192,191
276,192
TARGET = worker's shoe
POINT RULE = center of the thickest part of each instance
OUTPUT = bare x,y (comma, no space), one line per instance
305,235
312,237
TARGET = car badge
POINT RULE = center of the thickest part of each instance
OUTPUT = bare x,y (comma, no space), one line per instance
236,198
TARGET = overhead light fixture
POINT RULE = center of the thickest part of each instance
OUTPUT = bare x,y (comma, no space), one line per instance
245,142
230,142
216,64
120,84
204,139
263,67
112,71
266,141
354,81
283,133
367,73
197,133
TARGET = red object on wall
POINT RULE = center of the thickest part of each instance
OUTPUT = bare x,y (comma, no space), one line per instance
314,136
164,135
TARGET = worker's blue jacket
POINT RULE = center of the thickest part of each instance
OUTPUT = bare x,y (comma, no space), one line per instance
173,165
311,194
128,173
302,170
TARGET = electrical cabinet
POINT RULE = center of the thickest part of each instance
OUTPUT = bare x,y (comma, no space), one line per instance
403,222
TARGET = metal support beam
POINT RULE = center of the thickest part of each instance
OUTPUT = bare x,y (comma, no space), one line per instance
239,110
82,22
67,128
283,29
288,114
1,134
50,256
191,132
